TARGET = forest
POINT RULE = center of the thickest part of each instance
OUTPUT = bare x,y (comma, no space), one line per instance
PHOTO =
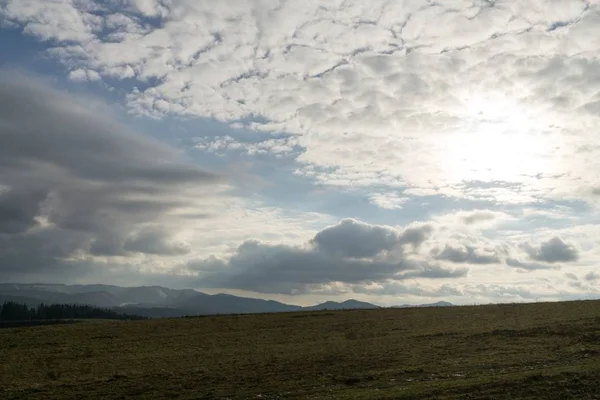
14,311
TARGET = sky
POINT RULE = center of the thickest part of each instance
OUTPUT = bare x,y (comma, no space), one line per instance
397,152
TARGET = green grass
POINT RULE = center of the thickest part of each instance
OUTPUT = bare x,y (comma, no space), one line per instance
526,351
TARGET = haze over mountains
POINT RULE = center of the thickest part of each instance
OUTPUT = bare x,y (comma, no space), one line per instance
158,301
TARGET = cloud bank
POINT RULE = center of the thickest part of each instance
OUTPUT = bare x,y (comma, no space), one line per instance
75,183
351,252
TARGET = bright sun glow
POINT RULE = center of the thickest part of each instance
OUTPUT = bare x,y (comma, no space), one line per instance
500,141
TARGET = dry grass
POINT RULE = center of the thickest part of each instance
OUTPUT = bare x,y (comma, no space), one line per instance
545,350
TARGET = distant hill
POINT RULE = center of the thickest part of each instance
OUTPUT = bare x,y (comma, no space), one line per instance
346,305
150,301
229,304
159,302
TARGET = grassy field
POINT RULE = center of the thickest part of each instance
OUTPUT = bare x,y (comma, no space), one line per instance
527,351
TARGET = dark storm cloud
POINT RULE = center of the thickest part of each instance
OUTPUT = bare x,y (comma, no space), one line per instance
551,251
286,269
72,180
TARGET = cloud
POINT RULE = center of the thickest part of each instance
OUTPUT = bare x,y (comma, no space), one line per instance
350,252
150,8
479,216
403,289
82,75
586,283
18,211
416,235
552,251
592,276
473,220
436,272
75,183
221,144
351,238
426,97
388,201
154,242
531,266
460,253
571,276
465,293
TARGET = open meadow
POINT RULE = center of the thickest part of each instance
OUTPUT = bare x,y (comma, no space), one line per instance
519,351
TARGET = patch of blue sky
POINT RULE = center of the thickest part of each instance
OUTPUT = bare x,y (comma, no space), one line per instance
550,214
23,51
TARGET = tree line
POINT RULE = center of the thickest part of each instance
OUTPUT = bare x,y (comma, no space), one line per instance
13,311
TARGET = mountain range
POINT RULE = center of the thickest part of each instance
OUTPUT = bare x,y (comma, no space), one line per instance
158,301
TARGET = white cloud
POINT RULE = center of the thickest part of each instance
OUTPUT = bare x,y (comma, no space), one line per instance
150,8
82,75
389,201
220,145
480,216
473,220
394,94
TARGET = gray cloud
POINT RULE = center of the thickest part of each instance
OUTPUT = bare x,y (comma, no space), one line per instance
530,266
40,255
75,182
592,276
460,253
436,272
331,258
551,251
153,242
351,238
416,235
478,216
18,210
571,276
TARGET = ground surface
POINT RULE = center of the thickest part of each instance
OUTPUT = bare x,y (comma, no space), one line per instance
545,350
